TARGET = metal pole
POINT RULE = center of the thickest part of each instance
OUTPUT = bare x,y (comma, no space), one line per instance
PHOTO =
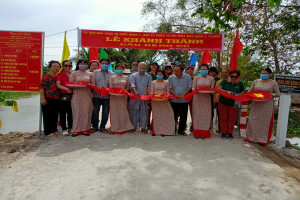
42,69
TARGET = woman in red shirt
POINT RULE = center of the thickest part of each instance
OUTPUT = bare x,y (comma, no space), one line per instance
49,99
65,96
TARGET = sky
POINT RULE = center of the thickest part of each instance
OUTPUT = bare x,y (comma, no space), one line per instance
57,16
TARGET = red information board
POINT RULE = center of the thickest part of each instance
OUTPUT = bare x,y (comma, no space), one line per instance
20,60
146,40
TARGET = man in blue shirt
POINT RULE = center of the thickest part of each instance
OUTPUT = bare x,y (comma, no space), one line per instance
102,77
180,85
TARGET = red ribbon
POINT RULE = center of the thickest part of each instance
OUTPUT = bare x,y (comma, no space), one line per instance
252,95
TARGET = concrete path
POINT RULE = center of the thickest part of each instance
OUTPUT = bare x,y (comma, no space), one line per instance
137,166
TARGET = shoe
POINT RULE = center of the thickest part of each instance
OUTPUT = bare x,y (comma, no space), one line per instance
182,133
87,132
94,130
229,136
104,131
153,134
132,130
145,131
75,134
149,127
65,133
223,136
52,135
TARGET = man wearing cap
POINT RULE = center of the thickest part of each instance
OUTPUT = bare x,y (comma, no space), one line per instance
102,77
180,85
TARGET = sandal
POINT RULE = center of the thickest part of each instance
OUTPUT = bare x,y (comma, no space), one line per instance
75,134
94,130
104,131
145,131
183,133
132,130
52,135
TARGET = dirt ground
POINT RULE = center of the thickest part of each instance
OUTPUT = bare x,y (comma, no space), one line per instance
138,166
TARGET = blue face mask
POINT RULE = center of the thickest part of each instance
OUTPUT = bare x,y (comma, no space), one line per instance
264,76
104,67
83,67
159,77
203,72
134,70
119,71
128,75
142,71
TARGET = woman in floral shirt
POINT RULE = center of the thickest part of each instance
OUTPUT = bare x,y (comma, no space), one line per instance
49,99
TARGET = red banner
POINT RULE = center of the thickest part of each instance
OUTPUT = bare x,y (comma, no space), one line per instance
20,60
147,40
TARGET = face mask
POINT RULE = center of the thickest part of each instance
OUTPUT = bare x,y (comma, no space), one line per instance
119,71
134,70
142,71
104,67
159,77
203,72
83,67
128,75
264,76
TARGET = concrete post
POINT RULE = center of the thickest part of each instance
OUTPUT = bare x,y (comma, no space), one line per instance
282,123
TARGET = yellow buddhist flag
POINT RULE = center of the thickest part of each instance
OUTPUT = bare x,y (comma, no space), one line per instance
66,50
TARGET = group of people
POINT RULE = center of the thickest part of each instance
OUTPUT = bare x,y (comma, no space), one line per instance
79,105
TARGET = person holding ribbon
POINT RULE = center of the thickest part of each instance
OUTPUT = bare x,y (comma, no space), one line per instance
162,110
180,85
139,110
102,77
81,102
260,124
49,99
119,117
65,109
201,113
227,111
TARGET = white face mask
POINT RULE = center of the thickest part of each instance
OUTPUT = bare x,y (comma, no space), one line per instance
83,67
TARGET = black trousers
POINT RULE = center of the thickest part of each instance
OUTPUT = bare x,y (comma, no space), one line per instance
65,109
181,110
50,115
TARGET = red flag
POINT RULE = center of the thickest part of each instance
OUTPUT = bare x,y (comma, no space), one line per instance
236,50
93,54
206,58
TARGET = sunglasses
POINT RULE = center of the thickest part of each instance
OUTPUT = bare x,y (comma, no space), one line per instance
67,65
234,76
